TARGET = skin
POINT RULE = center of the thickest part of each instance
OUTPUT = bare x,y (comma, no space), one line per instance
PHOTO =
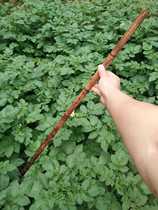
137,123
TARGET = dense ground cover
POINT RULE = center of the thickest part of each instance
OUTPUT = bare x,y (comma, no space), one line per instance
48,50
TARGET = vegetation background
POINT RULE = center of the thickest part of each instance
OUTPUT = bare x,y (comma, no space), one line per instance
48,50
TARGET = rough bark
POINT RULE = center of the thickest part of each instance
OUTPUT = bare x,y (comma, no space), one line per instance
106,62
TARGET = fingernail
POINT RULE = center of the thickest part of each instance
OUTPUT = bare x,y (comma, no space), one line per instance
101,67
102,72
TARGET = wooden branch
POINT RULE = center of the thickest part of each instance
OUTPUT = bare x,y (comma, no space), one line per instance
108,60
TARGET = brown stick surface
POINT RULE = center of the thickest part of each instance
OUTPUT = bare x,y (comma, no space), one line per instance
106,62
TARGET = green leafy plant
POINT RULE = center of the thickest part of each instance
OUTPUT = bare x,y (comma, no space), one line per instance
46,50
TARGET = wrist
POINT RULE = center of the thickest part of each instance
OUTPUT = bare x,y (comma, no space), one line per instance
116,99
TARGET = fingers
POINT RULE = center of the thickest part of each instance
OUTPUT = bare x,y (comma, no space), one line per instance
102,100
101,70
112,75
103,73
96,90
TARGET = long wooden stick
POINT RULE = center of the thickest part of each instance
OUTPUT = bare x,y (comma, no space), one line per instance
106,62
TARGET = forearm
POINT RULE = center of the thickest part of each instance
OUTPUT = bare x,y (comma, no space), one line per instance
137,123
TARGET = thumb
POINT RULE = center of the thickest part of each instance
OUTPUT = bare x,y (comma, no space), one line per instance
102,72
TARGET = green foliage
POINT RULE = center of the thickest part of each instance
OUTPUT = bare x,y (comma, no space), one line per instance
48,50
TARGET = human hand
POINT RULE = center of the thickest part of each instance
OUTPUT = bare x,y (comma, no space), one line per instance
137,123
107,84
